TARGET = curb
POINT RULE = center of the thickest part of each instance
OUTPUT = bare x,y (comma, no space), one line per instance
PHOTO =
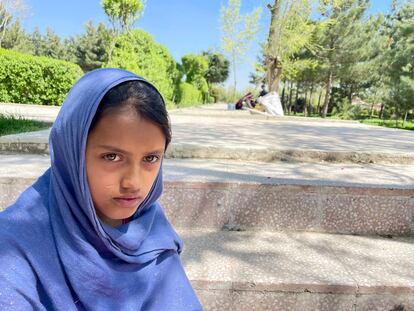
190,151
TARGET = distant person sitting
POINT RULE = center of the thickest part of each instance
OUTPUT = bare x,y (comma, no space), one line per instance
263,92
246,100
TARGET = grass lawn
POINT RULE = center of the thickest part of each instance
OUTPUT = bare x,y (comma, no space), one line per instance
13,125
409,125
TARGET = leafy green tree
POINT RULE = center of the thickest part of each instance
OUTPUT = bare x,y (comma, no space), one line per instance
359,69
195,68
91,48
138,52
10,10
343,20
122,13
15,38
237,33
290,31
218,67
399,57
49,45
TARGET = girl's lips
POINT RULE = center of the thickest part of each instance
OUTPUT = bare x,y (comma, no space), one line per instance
127,202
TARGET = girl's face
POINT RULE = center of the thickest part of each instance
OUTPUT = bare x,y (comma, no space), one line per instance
123,157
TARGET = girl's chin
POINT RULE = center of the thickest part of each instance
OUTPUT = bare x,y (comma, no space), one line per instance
115,220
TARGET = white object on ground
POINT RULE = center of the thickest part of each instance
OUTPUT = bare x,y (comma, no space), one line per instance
272,104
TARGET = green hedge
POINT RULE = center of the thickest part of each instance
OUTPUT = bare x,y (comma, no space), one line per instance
35,80
188,95
138,52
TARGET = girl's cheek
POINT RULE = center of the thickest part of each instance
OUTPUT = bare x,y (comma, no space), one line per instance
108,186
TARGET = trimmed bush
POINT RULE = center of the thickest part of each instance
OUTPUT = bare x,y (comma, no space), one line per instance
188,95
138,52
35,80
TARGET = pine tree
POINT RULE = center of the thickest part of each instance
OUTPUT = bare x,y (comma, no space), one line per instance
343,20
91,48
400,57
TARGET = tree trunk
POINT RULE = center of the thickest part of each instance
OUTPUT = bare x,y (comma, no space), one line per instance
371,113
405,118
305,107
290,97
276,78
310,100
327,95
283,97
318,108
3,26
351,90
273,69
296,98
381,114
235,77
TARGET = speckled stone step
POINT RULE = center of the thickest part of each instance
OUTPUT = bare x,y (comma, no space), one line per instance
231,195
299,271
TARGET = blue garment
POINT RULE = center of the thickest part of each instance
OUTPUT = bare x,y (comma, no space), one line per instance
55,254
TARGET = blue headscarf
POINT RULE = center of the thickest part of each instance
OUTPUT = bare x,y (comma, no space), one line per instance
55,253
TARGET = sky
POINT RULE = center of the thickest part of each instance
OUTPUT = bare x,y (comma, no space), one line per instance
183,26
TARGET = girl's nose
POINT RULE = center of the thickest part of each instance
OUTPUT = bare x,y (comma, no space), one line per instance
131,179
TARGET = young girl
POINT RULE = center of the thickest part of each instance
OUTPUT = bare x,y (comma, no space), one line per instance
89,234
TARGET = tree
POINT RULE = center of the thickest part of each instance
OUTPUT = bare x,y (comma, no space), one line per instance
122,15
237,33
218,67
49,45
9,11
290,31
195,68
399,57
138,52
91,48
15,38
361,73
343,21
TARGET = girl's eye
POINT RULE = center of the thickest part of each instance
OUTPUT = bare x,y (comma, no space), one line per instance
151,158
113,157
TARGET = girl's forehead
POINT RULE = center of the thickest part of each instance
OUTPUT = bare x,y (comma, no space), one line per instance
126,130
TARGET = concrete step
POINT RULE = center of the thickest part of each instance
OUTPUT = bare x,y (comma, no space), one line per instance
211,132
232,195
216,148
299,271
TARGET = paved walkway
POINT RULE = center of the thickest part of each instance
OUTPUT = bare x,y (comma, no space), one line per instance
35,112
199,133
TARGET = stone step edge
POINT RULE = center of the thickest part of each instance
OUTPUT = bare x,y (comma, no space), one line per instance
214,205
308,187
300,287
187,151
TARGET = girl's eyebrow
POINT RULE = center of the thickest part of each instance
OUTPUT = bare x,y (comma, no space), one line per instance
158,151
112,148
116,149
